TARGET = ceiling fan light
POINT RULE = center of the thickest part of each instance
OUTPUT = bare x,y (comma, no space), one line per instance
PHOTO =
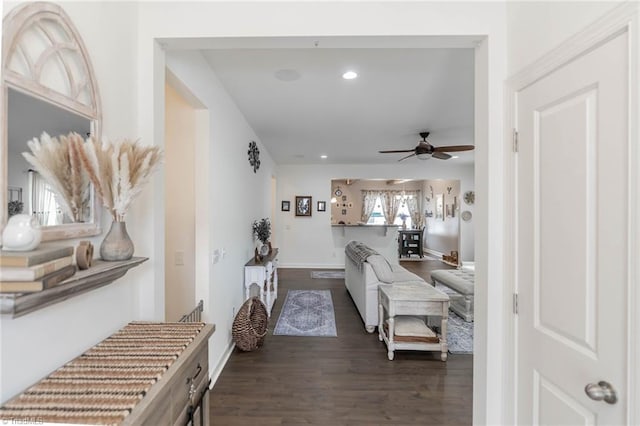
350,75
423,156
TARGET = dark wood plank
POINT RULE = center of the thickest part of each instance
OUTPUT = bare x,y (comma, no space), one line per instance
346,380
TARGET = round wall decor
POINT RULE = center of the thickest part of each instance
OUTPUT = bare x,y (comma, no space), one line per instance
466,215
254,156
469,197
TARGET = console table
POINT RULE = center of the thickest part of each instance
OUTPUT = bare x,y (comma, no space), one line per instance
418,300
144,374
264,274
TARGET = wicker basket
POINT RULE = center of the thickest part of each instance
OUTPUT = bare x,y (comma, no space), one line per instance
250,325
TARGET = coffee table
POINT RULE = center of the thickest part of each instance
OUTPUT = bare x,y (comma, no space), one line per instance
415,299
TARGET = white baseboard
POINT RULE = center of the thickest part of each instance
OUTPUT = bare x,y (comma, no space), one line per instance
215,373
433,252
308,266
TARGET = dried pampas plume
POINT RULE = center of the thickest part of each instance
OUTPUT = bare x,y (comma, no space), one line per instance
58,162
118,171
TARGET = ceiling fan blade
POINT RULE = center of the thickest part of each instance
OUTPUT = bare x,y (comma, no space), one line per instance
441,155
396,151
404,158
453,148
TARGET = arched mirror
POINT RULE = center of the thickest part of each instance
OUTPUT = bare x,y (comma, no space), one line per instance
48,85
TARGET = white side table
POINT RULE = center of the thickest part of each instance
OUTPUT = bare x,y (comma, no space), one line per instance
412,299
263,274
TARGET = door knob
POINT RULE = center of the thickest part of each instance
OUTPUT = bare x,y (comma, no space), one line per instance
601,391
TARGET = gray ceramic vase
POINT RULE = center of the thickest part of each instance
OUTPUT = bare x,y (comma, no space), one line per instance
117,244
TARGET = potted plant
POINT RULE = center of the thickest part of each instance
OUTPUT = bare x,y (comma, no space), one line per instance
262,230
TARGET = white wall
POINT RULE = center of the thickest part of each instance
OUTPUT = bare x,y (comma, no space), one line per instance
536,27
442,234
38,343
237,196
310,241
180,227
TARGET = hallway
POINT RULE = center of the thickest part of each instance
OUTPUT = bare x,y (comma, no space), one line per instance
346,380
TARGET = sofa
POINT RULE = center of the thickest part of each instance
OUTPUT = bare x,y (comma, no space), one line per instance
365,270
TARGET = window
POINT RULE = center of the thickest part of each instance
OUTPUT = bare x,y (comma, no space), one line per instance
403,211
377,217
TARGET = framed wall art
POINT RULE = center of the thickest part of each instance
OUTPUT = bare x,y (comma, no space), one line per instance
303,205
286,206
322,206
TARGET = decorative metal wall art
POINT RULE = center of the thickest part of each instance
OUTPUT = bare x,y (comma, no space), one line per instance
469,197
254,156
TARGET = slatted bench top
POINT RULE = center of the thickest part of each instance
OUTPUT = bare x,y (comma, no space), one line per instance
103,385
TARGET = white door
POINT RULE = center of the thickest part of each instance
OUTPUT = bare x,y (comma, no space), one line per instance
572,236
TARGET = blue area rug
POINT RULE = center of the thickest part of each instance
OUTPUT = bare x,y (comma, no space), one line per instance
307,313
459,332
459,335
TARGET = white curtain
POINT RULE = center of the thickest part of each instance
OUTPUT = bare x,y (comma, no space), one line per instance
414,209
42,201
368,204
390,204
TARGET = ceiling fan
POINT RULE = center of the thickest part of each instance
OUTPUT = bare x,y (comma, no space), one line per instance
424,150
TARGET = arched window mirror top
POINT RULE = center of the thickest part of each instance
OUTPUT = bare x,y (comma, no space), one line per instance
45,69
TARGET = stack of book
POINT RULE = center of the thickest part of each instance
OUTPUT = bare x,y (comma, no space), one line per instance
35,270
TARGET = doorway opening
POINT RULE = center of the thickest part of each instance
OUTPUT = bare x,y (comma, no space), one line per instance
186,131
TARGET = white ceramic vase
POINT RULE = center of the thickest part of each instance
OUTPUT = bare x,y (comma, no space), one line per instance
264,249
22,233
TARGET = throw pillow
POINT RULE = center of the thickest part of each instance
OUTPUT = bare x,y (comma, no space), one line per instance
381,268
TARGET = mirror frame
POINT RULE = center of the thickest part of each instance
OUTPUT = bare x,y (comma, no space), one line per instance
44,17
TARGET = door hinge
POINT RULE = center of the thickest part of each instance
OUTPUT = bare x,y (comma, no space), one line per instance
515,140
515,303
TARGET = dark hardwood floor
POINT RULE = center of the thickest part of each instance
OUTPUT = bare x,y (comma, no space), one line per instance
346,380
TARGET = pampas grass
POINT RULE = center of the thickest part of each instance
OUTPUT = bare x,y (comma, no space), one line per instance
58,162
118,171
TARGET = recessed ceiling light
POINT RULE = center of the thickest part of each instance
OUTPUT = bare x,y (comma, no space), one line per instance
454,156
323,156
287,75
349,75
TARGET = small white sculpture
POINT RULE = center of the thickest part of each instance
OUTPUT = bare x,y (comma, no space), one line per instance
22,233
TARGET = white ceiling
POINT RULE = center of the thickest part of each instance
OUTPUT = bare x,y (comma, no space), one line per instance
398,93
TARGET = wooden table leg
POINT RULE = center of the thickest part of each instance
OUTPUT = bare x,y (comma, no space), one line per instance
380,319
443,327
390,338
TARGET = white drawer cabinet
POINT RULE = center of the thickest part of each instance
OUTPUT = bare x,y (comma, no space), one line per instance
263,274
